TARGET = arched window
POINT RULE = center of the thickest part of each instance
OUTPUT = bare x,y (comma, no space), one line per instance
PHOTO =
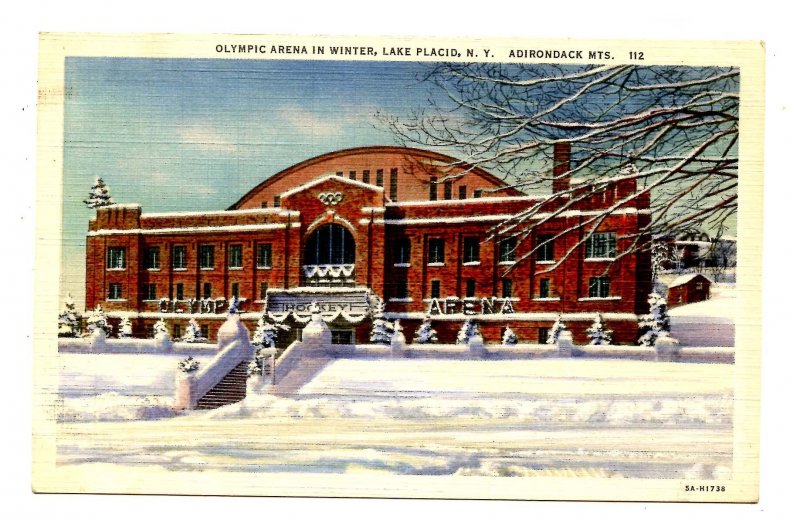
330,244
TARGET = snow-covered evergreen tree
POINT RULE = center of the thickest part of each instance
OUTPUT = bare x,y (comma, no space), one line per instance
193,333
266,333
555,331
468,330
98,319
509,337
99,195
598,333
656,323
233,305
382,329
68,322
426,333
125,328
160,328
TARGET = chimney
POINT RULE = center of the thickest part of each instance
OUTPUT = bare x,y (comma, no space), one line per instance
561,165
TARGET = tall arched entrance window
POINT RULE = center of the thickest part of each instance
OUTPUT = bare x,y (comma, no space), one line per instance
329,257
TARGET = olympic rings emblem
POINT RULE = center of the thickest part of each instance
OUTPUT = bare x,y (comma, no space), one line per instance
330,199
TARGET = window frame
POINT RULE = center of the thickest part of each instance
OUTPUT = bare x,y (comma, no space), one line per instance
402,252
544,288
116,262
599,287
201,250
118,291
150,292
232,257
469,288
261,248
545,251
507,288
601,246
466,253
148,257
436,259
507,250
437,285
183,265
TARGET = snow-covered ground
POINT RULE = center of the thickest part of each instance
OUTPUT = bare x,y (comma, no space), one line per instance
707,323
118,386
559,417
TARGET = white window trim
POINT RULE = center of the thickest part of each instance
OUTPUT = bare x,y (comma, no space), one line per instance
206,268
599,298
545,262
472,263
507,262
435,264
547,299
116,299
601,259
236,268
116,268
153,269
180,269
404,264
263,267
401,300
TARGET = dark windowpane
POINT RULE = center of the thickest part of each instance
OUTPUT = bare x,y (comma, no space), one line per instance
276,201
176,331
115,258
599,287
235,256
206,257
179,291
179,257
353,175
435,288
472,249
507,292
433,187
393,184
544,251
379,177
448,190
235,289
264,256
601,245
402,251
436,251
365,176
263,293
470,292
115,291
206,290
544,288
477,193
508,248
329,244
152,258
462,192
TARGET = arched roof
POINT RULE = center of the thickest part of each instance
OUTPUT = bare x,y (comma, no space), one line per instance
413,164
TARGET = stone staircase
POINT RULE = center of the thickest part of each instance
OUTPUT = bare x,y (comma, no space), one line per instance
231,389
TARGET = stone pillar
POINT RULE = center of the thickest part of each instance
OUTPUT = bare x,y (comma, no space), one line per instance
565,344
184,387
476,347
667,348
98,339
398,340
317,338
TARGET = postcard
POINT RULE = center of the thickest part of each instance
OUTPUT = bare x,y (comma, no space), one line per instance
398,267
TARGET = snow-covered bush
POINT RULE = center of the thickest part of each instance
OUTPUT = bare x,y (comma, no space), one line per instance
468,331
233,306
98,320
266,333
160,329
99,195
598,333
555,331
509,337
188,365
193,333
382,329
125,328
656,323
426,333
68,322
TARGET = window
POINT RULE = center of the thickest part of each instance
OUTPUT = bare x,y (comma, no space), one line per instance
330,244
365,176
115,258
544,288
264,256
235,256
402,251
206,257
401,288
263,292
204,331
115,291
150,292
448,190
152,258
393,184
477,193
544,332
276,201
151,330
340,174
699,286
599,287
353,175
436,286
342,337
179,257
379,177
265,204
472,249
432,188
507,288
436,251
235,289
206,290
176,331
470,292
179,291
601,245
462,192
544,251
508,247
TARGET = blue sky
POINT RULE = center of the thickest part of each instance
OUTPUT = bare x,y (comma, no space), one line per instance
182,135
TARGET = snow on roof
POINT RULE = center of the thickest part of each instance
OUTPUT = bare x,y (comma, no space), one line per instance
345,180
465,201
686,278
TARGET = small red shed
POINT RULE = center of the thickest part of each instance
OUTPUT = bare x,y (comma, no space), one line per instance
688,288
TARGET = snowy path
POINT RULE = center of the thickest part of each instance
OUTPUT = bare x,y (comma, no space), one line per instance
545,417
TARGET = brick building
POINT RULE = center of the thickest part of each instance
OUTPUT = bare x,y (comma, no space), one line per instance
409,226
